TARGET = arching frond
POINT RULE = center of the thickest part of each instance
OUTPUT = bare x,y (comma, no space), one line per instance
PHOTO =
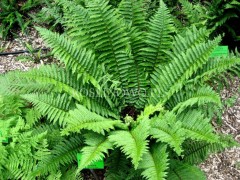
155,163
180,170
138,76
159,38
60,80
133,143
202,96
133,13
171,78
81,118
97,147
75,20
197,127
187,39
78,59
166,128
217,66
64,153
196,152
54,106
110,39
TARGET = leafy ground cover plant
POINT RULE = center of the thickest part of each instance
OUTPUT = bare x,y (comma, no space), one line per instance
50,15
13,15
132,91
218,16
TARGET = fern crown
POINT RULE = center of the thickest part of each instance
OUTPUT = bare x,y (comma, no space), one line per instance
132,90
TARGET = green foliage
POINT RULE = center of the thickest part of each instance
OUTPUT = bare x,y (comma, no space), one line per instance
14,14
33,149
220,17
155,163
50,15
131,90
179,170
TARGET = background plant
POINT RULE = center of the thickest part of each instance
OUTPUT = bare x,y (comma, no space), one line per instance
218,16
14,14
50,15
131,90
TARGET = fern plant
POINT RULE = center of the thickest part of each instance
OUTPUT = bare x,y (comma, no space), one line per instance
14,14
218,16
132,91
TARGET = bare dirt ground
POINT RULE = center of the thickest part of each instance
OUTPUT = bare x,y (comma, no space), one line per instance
10,62
221,166
226,165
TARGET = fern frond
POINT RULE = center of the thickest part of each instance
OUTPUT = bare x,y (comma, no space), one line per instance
3,159
32,116
196,152
78,59
10,105
30,150
165,128
133,13
60,80
189,38
53,133
97,146
13,83
170,79
138,77
215,67
63,153
81,118
180,170
159,38
110,39
155,163
197,127
54,106
202,96
117,166
75,20
195,13
132,143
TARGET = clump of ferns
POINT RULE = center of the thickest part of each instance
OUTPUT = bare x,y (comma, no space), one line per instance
163,130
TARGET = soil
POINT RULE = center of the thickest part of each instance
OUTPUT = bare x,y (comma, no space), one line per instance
226,165
221,166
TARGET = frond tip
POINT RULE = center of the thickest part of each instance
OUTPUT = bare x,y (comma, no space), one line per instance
133,143
155,163
81,118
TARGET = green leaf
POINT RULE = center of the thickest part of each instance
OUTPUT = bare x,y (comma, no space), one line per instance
165,128
97,146
155,162
203,96
197,127
184,171
81,118
133,143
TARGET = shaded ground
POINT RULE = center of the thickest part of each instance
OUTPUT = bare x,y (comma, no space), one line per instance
221,166
226,165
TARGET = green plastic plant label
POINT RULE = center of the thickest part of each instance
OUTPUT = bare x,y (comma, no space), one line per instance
220,51
96,165
3,139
